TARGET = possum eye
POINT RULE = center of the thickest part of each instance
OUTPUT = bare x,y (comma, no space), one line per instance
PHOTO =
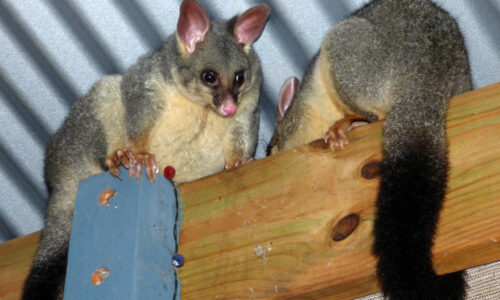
209,78
239,78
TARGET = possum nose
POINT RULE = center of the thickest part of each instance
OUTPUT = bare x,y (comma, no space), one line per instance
229,110
227,105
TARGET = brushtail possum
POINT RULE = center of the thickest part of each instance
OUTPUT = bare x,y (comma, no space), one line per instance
192,104
398,61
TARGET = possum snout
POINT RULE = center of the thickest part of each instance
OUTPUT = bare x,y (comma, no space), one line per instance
225,105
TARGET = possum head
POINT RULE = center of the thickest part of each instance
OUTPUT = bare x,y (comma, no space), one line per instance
284,127
215,67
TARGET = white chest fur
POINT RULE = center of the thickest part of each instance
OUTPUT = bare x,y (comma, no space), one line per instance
188,136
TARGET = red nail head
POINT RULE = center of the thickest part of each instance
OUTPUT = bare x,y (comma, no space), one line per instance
169,172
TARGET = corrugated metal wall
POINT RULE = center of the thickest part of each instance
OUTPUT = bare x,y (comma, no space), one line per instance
51,52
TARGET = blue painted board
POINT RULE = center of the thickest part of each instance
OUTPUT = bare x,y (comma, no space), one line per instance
134,236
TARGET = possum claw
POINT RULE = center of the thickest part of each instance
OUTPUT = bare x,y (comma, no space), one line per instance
149,164
237,163
126,158
121,157
336,137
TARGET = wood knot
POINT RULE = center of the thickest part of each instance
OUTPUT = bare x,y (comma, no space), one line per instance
345,227
371,170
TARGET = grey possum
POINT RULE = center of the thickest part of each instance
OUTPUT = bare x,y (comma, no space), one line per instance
192,104
398,61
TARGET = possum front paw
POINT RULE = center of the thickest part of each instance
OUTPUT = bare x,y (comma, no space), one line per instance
126,158
336,137
121,157
149,162
236,163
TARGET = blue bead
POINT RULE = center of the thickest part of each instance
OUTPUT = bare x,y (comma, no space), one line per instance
178,260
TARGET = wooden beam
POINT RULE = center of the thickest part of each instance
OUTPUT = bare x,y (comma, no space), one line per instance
264,230
15,261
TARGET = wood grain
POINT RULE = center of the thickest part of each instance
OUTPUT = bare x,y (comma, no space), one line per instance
265,230
15,261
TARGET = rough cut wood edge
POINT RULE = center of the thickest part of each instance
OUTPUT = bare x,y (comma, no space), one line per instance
287,205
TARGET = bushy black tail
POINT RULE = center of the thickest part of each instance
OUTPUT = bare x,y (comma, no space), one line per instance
411,193
46,278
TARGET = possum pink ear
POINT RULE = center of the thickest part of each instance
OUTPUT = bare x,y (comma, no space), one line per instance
250,24
286,96
193,24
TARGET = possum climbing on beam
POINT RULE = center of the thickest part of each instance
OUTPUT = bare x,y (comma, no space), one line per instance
398,61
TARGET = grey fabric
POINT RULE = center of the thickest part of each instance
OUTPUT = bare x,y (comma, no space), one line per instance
484,282
53,51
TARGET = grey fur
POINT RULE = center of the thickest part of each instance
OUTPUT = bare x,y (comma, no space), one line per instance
377,51
294,117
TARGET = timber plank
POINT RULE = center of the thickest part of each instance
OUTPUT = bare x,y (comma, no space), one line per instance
286,206
289,203
15,262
